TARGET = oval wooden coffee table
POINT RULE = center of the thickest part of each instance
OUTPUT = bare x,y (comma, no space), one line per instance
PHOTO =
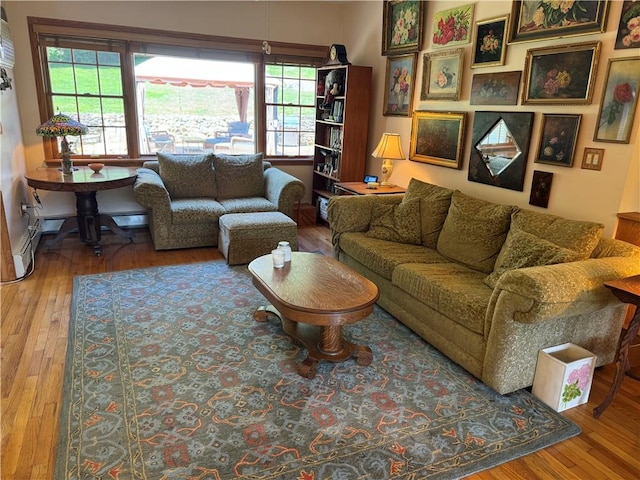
315,296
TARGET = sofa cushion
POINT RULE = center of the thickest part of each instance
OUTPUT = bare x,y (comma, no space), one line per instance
434,205
196,210
248,204
188,176
383,256
522,249
239,176
396,223
474,231
576,235
452,289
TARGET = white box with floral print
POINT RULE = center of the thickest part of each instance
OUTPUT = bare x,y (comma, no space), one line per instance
563,376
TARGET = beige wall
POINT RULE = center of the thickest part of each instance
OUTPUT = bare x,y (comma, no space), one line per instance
576,193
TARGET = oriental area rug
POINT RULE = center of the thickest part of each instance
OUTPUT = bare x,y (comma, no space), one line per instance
169,377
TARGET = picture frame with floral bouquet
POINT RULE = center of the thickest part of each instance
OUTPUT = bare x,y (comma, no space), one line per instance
399,81
560,75
453,26
540,188
618,101
490,42
442,75
437,138
499,88
535,20
402,26
628,35
559,133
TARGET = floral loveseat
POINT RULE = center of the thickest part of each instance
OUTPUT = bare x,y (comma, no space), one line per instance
185,195
489,285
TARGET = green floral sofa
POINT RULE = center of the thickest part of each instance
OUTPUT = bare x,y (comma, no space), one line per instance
185,195
489,285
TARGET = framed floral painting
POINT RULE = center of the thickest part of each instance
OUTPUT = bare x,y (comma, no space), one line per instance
437,138
495,88
560,75
453,26
618,101
540,188
490,42
540,20
442,75
399,81
558,139
629,26
402,26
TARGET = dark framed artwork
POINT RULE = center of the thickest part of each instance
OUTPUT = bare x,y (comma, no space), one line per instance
399,81
490,42
437,138
495,88
499,148
540,20
558,139
629,26
453,26
592,158
618,101
560,75
540,188
402,26
442,75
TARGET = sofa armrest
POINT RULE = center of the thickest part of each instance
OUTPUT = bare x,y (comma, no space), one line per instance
149,190
561,290
352,213
282,189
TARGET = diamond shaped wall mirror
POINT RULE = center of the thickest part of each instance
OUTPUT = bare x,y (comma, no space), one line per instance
500,148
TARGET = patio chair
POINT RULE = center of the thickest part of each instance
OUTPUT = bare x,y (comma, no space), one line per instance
234,129
162,141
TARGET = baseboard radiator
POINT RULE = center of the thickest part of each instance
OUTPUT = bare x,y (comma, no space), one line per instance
27,248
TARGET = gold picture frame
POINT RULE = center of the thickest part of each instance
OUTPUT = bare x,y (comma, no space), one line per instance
562,75
442,75
402,26
437,138
490,42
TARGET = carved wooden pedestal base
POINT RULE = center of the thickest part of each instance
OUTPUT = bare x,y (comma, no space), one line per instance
322,342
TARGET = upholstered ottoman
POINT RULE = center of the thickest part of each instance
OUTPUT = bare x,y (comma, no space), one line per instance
246,236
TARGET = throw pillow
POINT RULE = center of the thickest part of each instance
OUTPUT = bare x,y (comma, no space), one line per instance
239,176
434,205
396,223
474,231
522,249
576,235
188,176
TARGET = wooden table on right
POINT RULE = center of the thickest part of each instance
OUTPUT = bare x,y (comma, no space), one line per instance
627,290
315,296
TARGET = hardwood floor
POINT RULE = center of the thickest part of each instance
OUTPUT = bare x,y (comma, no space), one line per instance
34,326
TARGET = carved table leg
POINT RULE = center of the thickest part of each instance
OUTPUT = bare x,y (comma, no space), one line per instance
622,363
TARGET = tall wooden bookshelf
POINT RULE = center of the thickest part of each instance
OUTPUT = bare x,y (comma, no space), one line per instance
341,132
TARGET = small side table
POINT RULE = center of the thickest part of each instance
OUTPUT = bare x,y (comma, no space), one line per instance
627,290
84,183
360,188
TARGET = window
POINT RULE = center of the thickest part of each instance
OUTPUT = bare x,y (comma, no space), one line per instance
87,85
139,95
290,92
189,105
